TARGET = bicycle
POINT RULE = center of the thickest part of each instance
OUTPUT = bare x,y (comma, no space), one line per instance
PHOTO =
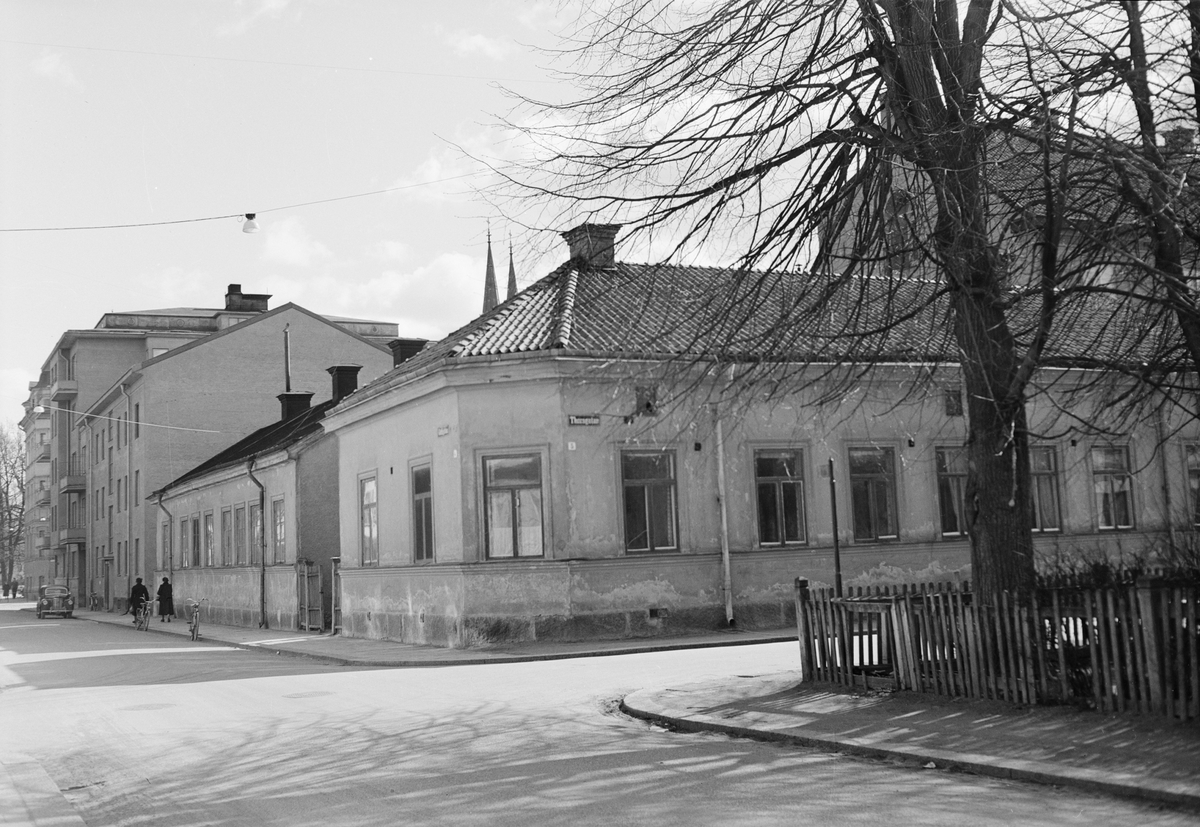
95,602
142,616
194,617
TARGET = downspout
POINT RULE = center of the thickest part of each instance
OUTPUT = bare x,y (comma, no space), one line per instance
1161,428
262,545
170,536
128,480
725,565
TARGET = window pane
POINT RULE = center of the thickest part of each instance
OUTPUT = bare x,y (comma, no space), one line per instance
1041,459
646,466
513,471
865,461
637,534
500,524
861,505
1046,503
782,464
421,480
529,527
793,512
885,513
768,514
1110,459
952,460
950,499
662,516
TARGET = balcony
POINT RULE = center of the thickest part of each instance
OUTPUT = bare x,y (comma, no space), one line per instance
42,498
42,543
42,454
75,478
64,390
75,532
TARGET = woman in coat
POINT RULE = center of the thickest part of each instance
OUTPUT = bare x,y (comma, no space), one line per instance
166,603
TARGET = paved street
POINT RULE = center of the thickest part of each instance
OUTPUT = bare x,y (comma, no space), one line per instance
139,728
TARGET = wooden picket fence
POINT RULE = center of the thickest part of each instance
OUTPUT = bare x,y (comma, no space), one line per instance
1123,647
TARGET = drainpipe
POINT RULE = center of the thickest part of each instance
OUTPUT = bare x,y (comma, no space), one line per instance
128,480
262,546
1161,427
725,563
170,535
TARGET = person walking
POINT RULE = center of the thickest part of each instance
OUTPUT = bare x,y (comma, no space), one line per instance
166,601
139,595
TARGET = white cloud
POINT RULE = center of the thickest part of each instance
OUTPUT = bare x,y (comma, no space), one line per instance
53,66
389,251
14,390
259,10
467,43
286,241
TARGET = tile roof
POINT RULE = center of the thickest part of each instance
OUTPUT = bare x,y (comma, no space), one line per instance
274,437
669,311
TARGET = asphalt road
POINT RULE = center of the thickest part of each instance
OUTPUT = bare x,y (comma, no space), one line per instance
137,729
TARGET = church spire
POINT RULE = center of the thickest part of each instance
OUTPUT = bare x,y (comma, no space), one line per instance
512,274
490,298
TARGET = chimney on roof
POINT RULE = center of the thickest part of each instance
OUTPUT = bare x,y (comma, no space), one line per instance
345,380
1178,141
405,349
235,299
293,403
593,245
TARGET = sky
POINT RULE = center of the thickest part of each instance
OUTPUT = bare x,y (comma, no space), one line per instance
139,112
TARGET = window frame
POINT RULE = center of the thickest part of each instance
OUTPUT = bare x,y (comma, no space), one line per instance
1192,481
227,536
891,479
1098,496
368,546
254,520
482,458
208,538
952,482
424,542
649,486
278,531
1035,478
185,555
777,483
239,535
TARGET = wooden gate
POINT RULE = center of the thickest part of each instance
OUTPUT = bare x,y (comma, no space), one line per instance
309,618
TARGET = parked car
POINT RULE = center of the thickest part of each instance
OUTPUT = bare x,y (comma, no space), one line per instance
55,600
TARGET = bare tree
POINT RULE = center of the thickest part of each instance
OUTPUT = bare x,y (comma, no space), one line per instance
803,134
12,502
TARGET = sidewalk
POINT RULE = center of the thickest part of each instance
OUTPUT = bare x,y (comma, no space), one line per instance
1133,756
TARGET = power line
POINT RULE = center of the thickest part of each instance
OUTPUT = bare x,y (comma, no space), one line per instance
237,215
118,419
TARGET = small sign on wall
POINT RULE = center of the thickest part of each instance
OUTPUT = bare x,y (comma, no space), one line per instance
583,419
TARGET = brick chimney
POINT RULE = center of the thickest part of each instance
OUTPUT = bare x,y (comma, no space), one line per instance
292,403
405,349
235,299
593,245
345,380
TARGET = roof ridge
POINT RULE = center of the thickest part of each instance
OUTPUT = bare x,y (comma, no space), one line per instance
565,310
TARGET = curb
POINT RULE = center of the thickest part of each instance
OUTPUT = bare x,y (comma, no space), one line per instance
677,644
1035,771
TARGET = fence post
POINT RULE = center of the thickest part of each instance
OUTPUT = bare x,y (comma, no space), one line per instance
804,630
1150,640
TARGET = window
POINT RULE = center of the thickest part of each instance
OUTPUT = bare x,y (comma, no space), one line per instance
256,534
226,537
118,495
137,488
422,492
780,479
184,556
512,496
137,420
952,483
165,551
278,535
196,541
873,493
239,535
650,509
368,521
1113,486
1043,462
208,539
